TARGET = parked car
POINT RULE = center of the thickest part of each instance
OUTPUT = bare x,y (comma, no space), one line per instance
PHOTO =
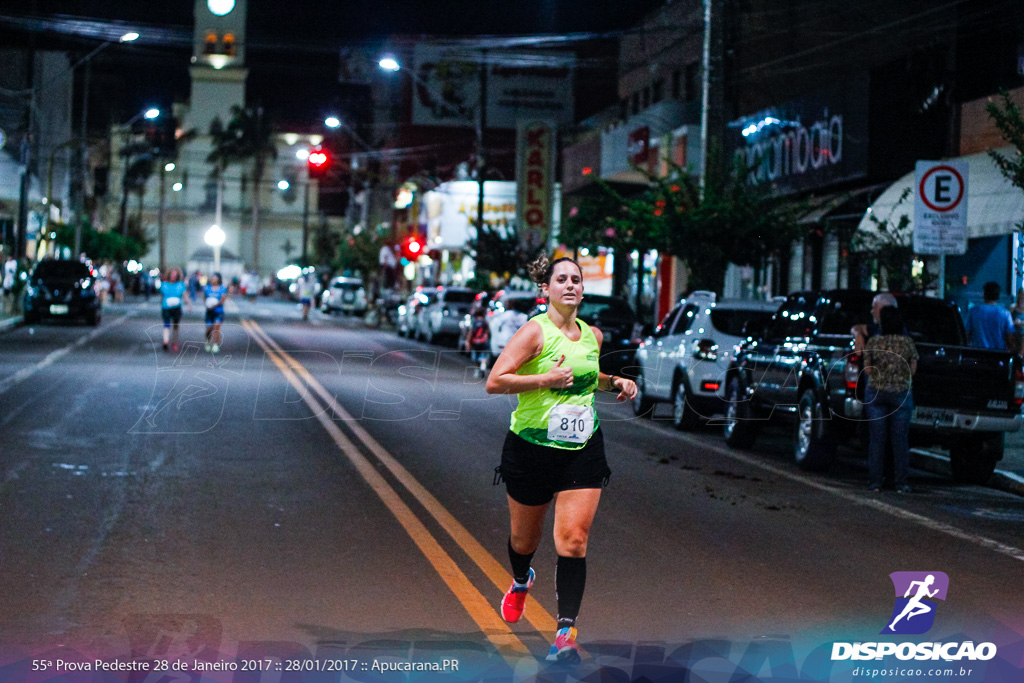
345,294
617,321
61,290
442,316
409,312
508,311
803,368
686,358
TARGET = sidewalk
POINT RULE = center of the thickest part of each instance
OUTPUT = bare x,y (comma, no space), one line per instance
8,320
1009,474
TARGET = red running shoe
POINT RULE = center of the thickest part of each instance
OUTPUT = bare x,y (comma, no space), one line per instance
514,602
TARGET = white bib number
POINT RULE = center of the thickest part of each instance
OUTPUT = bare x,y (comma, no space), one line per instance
570,423
212,301
173,302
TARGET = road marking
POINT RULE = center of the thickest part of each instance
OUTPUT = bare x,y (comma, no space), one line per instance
927,522
478,607
536,615
54,356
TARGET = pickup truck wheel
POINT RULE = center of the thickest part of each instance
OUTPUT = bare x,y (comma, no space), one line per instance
973,459
740,428
684,417
815,449
642,405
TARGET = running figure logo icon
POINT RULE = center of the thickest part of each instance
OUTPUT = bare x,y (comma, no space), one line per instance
916,592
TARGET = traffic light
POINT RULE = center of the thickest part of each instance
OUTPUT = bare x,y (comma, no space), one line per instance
319,161
412,247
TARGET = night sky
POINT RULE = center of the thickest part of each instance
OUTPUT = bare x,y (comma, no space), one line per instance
293,46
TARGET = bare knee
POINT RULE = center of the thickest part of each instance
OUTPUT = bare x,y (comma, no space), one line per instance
572,542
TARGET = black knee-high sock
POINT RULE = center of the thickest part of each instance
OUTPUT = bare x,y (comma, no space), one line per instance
570,580
520,564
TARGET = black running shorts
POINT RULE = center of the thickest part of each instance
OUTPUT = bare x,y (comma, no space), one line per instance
533,474
171,315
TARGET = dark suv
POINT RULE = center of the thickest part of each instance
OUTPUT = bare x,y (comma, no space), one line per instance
61,290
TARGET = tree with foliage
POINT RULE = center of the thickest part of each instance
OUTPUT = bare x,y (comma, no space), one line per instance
105,246
498,250
247,138
1010,123
891,245
726,220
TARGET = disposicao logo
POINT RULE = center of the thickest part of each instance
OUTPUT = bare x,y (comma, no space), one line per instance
916,593
913,614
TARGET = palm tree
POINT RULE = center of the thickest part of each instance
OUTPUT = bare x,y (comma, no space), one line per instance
248,136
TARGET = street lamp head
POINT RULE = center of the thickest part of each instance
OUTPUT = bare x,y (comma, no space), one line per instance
332,122
214,236
177,187
283,185
169,167
389,64
129,37
152,113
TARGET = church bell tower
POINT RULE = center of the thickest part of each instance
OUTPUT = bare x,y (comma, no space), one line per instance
218,62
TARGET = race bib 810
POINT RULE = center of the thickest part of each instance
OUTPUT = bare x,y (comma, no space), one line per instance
570,423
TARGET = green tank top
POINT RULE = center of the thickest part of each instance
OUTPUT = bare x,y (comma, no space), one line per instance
574,419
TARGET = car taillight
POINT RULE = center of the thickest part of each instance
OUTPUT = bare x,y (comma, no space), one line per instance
707,349
710,386
1018,386
851,374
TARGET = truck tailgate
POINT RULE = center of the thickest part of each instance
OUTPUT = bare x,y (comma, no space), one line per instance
967,379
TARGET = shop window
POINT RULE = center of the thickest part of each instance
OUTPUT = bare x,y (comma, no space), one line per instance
677,84
692,81
210,45
658,91
229,44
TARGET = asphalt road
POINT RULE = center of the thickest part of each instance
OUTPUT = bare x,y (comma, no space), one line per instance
322,492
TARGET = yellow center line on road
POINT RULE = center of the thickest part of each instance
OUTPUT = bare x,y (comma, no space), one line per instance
535,614
478,607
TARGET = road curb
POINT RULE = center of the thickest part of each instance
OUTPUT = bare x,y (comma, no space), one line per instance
938,463
8,324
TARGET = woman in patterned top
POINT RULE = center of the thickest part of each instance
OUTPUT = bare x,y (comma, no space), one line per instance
891,363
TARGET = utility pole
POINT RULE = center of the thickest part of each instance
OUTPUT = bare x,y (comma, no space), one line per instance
712,116
481,158
27,141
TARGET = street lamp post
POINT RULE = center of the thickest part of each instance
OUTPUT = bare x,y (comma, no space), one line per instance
215,238
149,114
479,123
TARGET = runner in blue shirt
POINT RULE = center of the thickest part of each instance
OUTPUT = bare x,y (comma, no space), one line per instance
215,293
172,290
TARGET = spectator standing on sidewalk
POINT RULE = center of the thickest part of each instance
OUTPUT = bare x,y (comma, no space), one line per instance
9,275
989,325
891,361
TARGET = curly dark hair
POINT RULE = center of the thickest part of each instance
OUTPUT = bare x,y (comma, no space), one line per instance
542,269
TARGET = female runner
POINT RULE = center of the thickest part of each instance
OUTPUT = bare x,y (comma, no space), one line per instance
555,448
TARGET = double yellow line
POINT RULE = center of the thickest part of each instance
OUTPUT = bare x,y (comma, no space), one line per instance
482,610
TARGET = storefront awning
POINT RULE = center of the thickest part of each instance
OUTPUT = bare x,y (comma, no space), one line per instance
994,205
845,202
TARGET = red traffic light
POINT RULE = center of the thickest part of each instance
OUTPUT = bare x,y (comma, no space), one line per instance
412,248
318,162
